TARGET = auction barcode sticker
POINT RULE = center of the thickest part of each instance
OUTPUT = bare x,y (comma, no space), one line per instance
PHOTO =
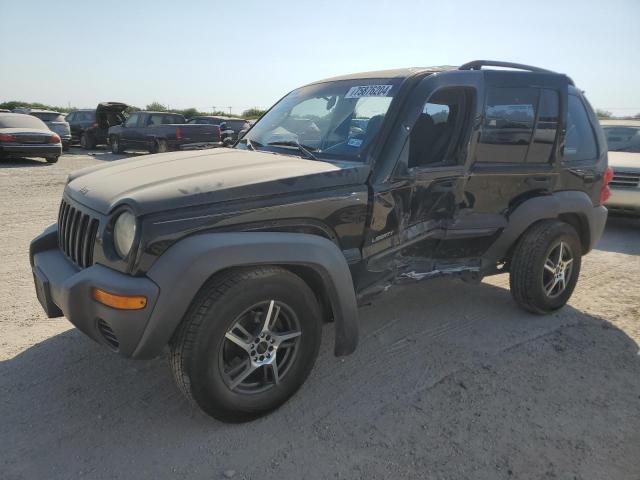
369,91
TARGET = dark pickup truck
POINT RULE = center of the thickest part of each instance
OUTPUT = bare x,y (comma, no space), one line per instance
160,132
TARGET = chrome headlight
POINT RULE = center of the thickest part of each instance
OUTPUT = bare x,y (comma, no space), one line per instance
124,233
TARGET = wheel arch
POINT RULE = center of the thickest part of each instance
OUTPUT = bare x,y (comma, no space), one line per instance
572,207
185,267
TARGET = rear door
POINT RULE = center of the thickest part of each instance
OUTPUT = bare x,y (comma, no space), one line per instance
515,157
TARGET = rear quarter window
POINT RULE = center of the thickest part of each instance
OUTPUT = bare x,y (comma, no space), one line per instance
580,141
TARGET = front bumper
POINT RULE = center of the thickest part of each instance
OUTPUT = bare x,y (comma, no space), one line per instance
28,150
64,289
624,201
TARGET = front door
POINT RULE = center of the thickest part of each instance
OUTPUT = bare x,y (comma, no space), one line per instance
413,207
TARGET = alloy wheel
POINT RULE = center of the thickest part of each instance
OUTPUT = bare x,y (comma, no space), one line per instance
557,270
260,348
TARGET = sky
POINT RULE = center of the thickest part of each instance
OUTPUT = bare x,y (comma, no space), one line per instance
248,53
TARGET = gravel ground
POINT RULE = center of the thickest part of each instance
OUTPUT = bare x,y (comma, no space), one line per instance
450,381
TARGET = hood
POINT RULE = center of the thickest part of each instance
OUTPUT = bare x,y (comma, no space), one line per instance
109,114
173,180
624,160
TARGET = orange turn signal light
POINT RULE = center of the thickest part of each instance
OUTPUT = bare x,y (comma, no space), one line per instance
121,302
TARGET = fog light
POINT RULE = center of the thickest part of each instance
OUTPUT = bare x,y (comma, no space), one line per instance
121,302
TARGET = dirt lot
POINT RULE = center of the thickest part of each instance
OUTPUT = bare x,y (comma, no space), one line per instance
450,381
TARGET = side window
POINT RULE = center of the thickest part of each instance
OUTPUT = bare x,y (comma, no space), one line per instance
436,134
580,143
546,127
70,117
154,120
508,125
132,121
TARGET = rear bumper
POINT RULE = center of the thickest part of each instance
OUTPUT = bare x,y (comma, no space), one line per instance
19,150
624,201
597,222
64,289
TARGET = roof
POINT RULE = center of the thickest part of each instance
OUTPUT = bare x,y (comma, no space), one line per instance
621,122
392,73
38,110
158,113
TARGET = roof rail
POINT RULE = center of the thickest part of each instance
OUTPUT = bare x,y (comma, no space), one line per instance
478,64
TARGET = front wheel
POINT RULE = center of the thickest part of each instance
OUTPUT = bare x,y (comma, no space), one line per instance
545,266
247,343
116,146
87,141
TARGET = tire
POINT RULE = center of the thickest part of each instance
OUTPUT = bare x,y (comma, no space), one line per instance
203,358
159,146
537,284
116,146
52,159
87,142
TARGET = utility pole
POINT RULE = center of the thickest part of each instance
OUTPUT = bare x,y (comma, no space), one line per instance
229,110
213,111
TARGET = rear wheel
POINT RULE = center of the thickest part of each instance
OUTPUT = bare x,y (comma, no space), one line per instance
545,266
247,343
160,146
52,159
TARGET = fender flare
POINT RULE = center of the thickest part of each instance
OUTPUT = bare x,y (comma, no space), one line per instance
547,207
184,268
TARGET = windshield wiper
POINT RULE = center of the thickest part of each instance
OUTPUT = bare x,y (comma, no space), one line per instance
304,149
251,145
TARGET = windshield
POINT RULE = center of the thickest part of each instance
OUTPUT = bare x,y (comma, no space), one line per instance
623,138
333,120
21,121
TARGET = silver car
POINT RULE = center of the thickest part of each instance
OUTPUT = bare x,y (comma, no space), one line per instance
56,123
623,139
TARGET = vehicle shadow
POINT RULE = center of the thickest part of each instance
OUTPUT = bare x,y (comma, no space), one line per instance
103,153
431,376
24,162
621,235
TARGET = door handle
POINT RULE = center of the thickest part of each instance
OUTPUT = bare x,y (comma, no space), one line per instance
537,181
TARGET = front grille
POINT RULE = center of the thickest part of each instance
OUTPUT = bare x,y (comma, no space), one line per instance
76,234
625,179
108,335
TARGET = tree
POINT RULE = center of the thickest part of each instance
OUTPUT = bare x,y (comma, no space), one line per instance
156,107
189,112
10,105
603,113
254,112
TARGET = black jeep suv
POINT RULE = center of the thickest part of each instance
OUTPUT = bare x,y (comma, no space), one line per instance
234,257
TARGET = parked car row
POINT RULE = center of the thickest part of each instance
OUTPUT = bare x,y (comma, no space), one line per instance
156,132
